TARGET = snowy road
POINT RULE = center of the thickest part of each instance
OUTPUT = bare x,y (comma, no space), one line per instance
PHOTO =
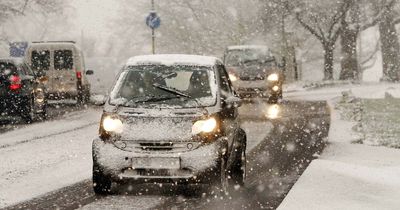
48,165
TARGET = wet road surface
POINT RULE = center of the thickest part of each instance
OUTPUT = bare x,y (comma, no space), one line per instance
282,139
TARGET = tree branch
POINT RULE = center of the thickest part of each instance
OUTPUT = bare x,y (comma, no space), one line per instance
309,28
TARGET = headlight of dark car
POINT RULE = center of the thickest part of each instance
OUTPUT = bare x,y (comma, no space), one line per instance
273,77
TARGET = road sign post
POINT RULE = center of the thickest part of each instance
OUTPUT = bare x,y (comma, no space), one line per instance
153,21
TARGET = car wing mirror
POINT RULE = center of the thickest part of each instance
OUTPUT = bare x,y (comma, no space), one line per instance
234,100
89,72
99,100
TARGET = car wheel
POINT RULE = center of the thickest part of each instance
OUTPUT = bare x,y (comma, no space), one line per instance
43,114
83,97
28,113
101,183
238,174
222,182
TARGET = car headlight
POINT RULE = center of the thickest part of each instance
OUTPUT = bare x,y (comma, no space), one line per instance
204,126
233,77
273,77
113,125
273,112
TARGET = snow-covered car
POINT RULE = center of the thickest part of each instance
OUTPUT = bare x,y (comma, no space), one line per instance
21,94
254,72
170,118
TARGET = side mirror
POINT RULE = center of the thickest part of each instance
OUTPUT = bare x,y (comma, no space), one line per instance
89,72
98,100
234,100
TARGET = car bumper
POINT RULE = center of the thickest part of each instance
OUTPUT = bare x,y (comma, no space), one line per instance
195,166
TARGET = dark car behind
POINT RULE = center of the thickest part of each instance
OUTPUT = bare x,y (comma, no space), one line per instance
21,94
254,72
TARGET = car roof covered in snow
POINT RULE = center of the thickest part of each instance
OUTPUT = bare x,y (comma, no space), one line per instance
173,59
13,60
244,47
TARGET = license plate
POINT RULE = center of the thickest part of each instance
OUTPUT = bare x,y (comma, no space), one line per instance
156,163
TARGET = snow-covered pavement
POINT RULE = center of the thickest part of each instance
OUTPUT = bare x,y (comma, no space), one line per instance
46,156
348,176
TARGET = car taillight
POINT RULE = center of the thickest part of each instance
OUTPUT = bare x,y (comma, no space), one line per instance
15,83
79,75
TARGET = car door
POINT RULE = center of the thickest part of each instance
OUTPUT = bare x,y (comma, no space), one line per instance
65,75
229,112
41,65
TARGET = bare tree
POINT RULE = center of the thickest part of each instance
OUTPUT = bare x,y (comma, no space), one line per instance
389,41
350,69
324,22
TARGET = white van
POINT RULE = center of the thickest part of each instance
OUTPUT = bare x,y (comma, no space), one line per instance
63,68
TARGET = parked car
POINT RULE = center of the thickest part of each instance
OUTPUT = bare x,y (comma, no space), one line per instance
254,72
62,64
170,118
21,94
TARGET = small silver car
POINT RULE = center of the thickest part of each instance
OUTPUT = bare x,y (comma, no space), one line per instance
170,119
254,72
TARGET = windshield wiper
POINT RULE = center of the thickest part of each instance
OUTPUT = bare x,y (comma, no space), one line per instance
249,61
171,90
153,99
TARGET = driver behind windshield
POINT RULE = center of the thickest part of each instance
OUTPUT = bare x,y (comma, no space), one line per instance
175,85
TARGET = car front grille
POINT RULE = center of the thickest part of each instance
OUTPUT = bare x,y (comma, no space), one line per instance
157,146
249,78
167,147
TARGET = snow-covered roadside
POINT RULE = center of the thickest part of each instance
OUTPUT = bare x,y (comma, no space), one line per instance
348,176
47,156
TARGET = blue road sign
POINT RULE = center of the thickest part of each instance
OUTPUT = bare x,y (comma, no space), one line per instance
17,49
153,20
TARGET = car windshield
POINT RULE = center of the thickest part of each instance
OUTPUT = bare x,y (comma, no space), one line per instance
175,86
248,57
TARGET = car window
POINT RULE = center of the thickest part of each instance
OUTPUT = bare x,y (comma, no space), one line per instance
40,60
225,84
63,60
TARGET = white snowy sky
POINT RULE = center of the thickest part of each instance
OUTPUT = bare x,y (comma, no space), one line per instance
93,16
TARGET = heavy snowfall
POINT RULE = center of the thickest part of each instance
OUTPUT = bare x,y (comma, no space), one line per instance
201,104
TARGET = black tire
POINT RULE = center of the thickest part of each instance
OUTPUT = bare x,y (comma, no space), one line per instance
101,183
220,184
28,113
238,171
43,114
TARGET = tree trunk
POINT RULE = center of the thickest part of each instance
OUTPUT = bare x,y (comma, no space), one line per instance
390,46
328,61
350,29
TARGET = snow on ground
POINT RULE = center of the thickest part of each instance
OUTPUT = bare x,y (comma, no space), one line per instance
46,156
348,176
365,90
126,202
